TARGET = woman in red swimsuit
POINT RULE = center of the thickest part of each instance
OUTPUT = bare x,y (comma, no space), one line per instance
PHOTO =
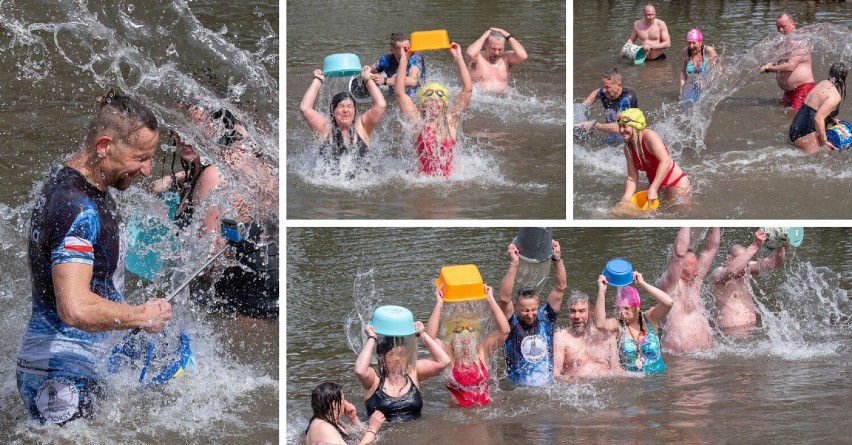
435,125
467,378
645,151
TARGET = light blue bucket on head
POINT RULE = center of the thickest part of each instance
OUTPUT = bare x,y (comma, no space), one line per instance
618,272
840,135
392,321
341,65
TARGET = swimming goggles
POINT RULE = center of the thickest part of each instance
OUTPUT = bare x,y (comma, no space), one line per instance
460,329
430,92
624,120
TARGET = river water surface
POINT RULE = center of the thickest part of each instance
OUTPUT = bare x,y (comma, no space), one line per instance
733,144
789,382
510,157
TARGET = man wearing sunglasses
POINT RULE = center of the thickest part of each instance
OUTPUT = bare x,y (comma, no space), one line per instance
529,348
490,67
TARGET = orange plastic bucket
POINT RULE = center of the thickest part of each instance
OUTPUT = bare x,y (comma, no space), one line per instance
640,200
461,283
429,40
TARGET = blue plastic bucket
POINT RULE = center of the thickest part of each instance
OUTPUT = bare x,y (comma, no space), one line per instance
840,135
618,272
393,321
342,65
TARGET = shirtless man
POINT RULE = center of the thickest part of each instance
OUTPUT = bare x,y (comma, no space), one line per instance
687,327
730,284
653,33
581,350
489,68
794,73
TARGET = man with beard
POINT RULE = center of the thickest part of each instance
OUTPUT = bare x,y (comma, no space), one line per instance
687,327
77,250
581,350
529,348
489,68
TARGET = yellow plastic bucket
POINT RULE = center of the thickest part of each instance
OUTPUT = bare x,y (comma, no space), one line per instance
461,283
429,40
640,200
633,52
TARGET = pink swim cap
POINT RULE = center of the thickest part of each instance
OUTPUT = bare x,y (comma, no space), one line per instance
627,296
694,35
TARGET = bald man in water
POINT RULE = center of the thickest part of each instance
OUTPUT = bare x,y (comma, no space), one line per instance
730,284
687,327
794,73
489,68
653,33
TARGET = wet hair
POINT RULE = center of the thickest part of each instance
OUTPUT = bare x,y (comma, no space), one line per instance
837,77
787,15
397,37
119,116
385,345
578,297
336,136
496,36
323,398
229,122
527,293
613,75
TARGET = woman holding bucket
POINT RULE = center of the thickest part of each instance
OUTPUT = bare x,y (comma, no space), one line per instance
820,109
696,59
639,347
343,131
394,388
436,121
467,382
645,151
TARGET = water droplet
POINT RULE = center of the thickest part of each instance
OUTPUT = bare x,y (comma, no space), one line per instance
223,30
130,8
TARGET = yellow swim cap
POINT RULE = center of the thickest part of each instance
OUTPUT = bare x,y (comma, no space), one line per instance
633,117
430,89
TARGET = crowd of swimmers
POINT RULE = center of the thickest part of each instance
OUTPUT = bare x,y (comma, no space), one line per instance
817,105
426,106
591,346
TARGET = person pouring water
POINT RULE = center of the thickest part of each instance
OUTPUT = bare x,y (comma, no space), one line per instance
653,33
433,120
821,107
342,130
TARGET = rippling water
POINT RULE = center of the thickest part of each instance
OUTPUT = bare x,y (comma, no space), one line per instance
789,382
57,58
733,144
510,157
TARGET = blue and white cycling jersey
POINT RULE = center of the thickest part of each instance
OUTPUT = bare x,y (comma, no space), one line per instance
72,222
529,352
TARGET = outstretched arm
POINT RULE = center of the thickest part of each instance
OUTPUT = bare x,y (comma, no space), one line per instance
409,110
737,267
435,319
475,48
433,366
560,280
373,116
498,337
365,374
462,100
315,120
679,250
601,322
508,283
711,247
769,263
664,301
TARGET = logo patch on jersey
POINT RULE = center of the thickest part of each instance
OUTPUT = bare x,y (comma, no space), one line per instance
534,348
76,244
57,400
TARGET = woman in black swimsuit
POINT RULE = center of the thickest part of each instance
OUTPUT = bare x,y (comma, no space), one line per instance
343,131
819,111
394,389
327,426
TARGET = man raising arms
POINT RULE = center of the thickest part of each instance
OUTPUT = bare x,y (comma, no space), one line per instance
489,68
